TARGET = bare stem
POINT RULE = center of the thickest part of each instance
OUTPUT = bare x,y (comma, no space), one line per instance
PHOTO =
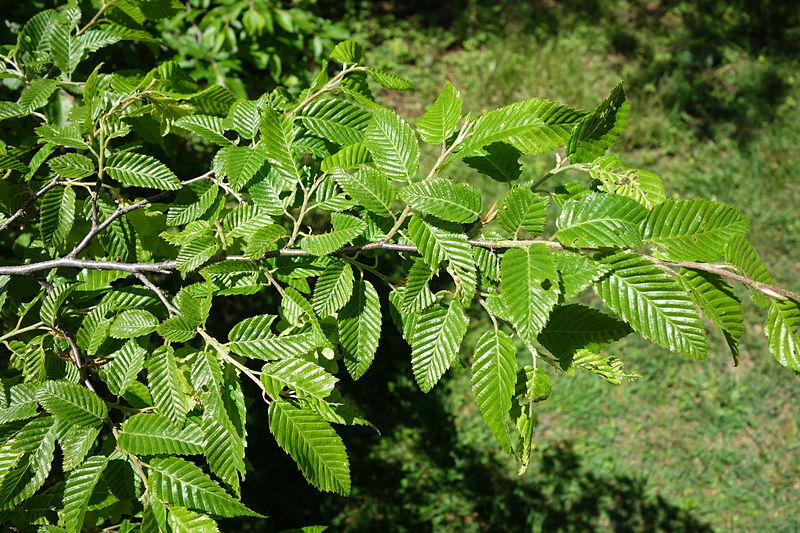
21,211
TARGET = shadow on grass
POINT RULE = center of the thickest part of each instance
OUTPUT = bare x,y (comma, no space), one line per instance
427,474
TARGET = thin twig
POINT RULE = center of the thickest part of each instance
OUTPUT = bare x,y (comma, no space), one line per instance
120,211
166,267
158,292
21,211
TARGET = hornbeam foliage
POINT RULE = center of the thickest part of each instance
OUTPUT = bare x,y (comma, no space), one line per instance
117,256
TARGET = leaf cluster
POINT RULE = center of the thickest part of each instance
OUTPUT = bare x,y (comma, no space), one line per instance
116,261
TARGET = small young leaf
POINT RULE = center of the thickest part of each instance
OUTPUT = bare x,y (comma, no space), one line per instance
521,209
389,80
441,118
393,146
345,229
348,52
598,130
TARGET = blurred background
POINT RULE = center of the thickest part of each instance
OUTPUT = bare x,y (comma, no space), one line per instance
714,89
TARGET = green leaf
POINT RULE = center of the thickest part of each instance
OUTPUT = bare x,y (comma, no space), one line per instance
393,146
521,209
76,443
417,295
66,49
692,230
72,166
133,323
641,185
348,52
493,378
444,199
441,118
224,444
37,94
436,341
196,253
369,188
252,337
652,302
532,126
360,328
165,384
499,161
192,202
304,377
68,136
9,162
182,520
265,239
151,434
53,301
334,119
179,482
142,171
56,215
577,272
740,254
123,369
529,288
207,127
600,219
436,244
10,109
719,304
348,158
177,329
31,448
598,130
389,80
78,490
313,444
277,137
73,403
244,118
572,329
782,330
345,229
242,164
333,289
